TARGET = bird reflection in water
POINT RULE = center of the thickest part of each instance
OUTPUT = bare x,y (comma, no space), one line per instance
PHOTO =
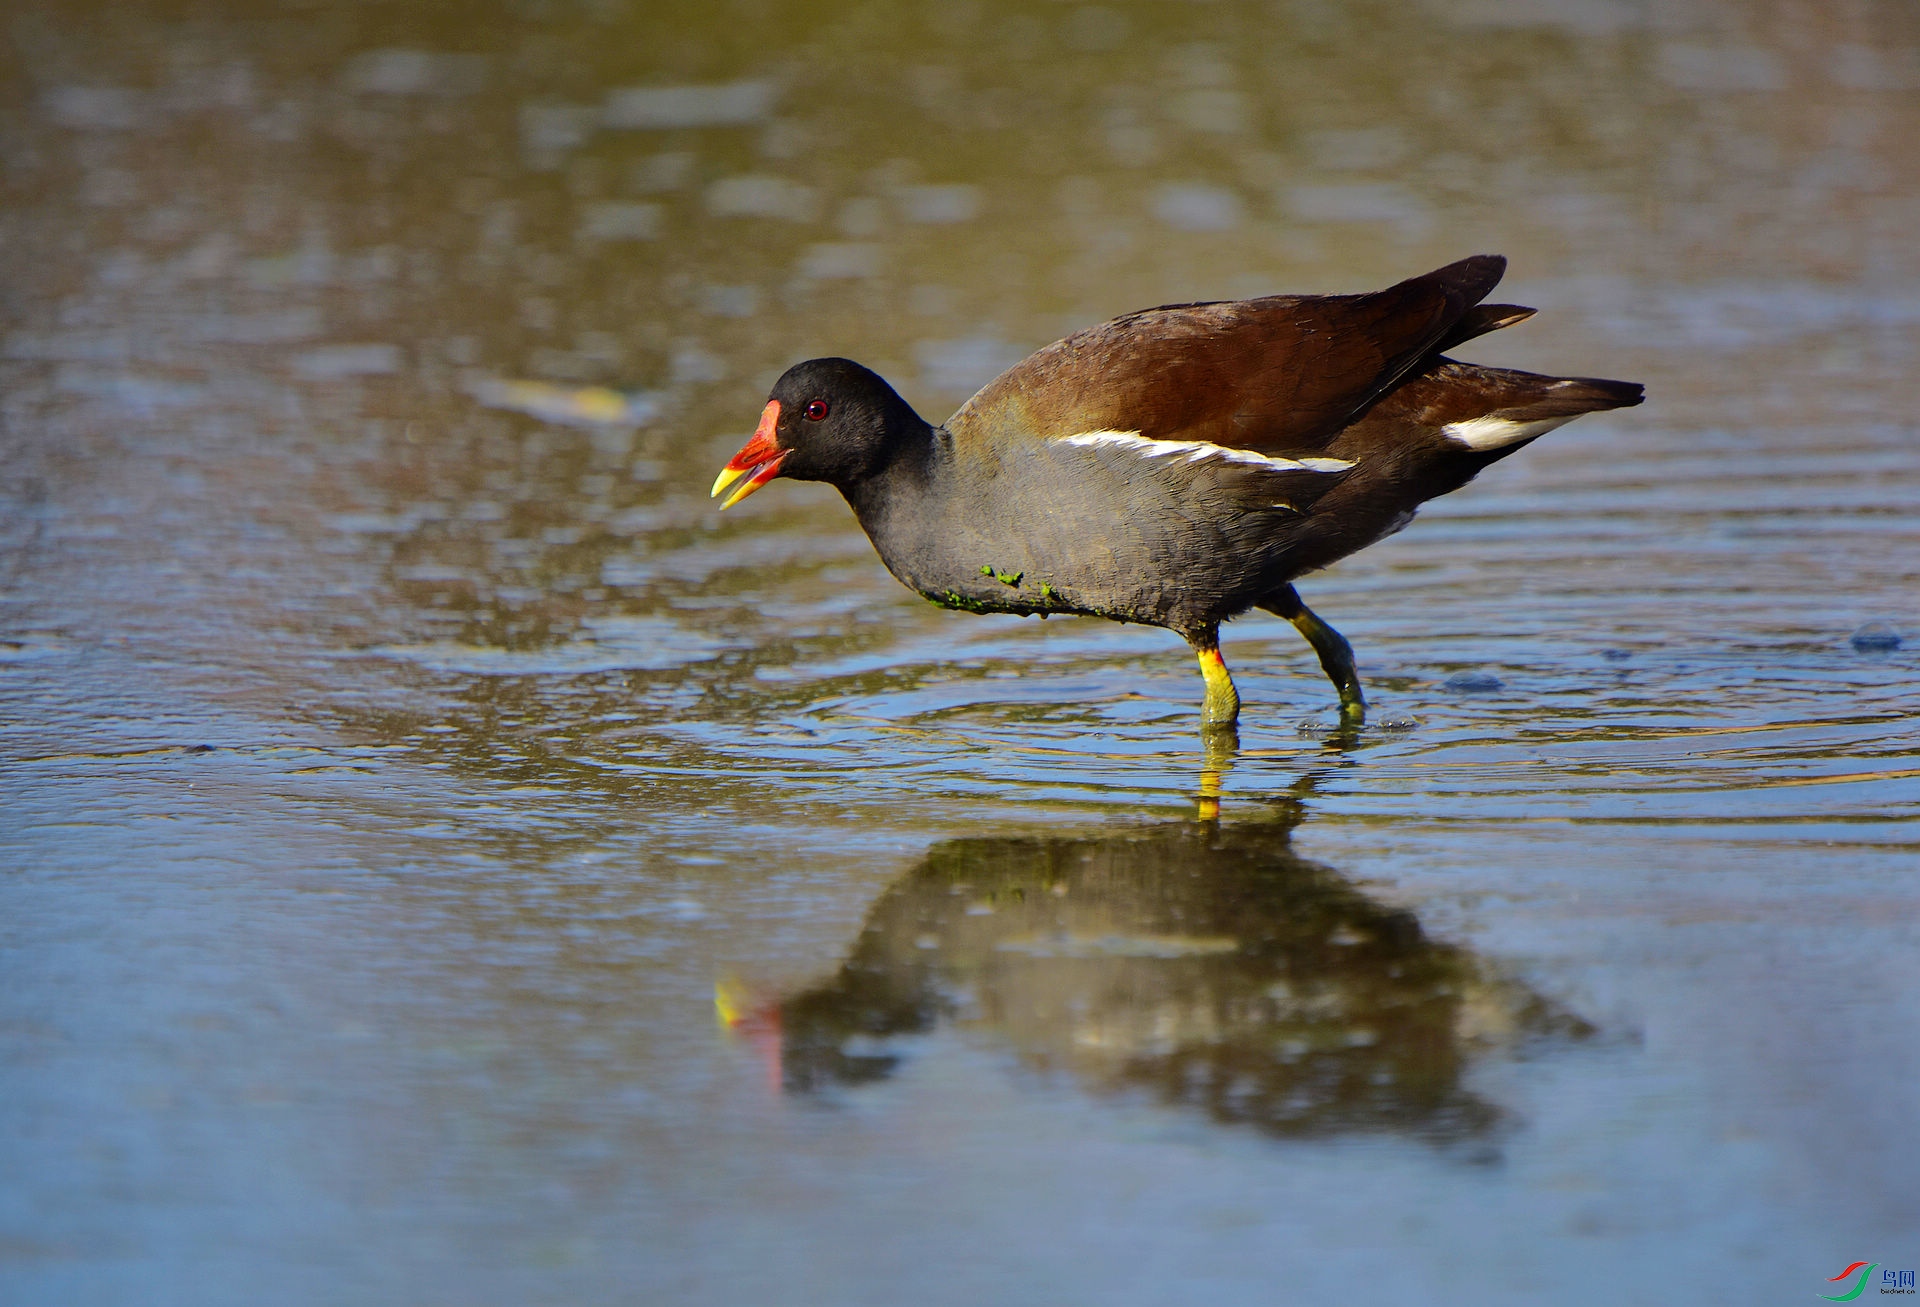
1206,966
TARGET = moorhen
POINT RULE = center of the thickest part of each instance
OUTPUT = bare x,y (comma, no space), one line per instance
1179,465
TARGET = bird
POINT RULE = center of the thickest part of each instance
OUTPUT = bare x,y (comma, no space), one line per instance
1177,466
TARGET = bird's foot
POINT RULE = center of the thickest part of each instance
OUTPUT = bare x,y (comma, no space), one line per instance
1353,705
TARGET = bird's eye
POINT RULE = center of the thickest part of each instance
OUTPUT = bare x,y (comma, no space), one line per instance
816,410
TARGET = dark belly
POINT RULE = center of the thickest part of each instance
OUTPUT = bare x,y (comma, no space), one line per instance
1169,571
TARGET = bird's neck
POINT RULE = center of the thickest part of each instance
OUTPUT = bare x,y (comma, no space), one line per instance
890,500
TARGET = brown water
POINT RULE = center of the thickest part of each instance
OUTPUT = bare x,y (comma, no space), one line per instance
444,861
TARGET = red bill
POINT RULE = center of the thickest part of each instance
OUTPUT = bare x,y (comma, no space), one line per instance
759,461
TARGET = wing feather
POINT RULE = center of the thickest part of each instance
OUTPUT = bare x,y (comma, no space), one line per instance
1284,373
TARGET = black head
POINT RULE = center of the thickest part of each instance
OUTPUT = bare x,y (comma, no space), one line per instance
826,420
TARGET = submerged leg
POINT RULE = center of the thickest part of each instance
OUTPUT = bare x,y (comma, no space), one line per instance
1336,655
1222,705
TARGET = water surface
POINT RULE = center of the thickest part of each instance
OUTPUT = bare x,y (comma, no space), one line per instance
447,862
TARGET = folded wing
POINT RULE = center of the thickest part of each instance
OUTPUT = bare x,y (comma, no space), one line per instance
1278,375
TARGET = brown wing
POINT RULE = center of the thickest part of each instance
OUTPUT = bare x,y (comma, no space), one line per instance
1280,374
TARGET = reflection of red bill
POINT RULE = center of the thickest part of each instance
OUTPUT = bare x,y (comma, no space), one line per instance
741,1012
760,457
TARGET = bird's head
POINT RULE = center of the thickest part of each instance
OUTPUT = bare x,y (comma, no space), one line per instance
826,420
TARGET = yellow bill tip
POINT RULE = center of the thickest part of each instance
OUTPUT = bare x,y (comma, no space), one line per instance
728,475
762,473
746,489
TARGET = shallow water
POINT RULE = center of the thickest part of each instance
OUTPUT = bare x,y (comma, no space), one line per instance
447,862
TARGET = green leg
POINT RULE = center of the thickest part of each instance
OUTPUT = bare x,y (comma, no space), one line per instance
1336,655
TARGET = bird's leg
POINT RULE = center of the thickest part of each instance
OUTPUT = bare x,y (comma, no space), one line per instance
1219,717
1222,706
1336,655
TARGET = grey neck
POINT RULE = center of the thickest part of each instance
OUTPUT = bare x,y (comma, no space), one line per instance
887,502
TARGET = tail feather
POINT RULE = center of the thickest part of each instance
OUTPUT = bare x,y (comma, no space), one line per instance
1488,409
1481,319
1569,397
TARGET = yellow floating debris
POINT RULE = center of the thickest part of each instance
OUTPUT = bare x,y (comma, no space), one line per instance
574,405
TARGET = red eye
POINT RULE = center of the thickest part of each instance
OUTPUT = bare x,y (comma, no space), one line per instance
816,410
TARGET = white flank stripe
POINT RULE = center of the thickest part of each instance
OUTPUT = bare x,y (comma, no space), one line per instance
1498,433
1195,450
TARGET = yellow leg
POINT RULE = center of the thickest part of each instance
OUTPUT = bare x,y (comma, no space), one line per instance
1222,705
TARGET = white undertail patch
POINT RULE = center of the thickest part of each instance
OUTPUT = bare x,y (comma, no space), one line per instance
1498,432
1196,450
